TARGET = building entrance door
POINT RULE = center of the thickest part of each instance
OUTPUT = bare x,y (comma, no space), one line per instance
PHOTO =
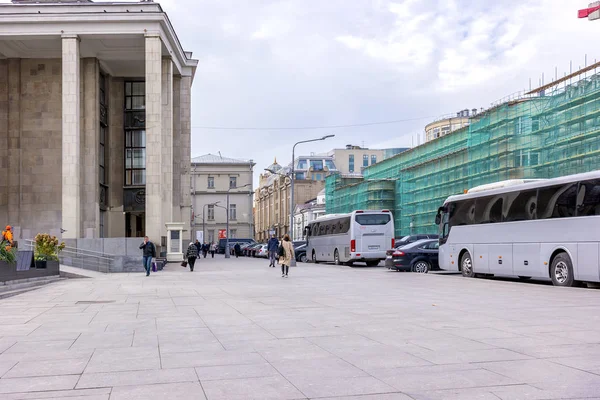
135,224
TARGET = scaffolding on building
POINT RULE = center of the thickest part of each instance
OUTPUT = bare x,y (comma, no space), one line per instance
545,133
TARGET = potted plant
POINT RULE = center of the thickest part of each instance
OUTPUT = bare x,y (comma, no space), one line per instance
46,250
8,255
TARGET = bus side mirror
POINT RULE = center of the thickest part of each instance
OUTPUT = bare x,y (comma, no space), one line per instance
438,219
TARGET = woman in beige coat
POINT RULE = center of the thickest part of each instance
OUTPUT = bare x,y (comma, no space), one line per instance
288,253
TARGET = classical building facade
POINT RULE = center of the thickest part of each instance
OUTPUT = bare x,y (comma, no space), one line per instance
213,177
94,120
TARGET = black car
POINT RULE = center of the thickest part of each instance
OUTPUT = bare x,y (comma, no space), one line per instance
232,242
403,241
301,252
420,256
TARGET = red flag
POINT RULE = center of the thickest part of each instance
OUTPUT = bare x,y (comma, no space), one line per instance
587,11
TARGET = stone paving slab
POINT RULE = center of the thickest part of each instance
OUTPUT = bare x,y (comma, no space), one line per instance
234,329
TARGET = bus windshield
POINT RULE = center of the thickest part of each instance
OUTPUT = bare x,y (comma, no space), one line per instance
372,219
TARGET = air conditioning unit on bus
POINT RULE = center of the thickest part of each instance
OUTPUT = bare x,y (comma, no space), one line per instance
501,184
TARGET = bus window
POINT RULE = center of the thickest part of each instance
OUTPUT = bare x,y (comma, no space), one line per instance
372,219
588,200
557,201
520,206
462,213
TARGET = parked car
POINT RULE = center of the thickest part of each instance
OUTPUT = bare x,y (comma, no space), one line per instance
403,241
420,256
262,251
247,251
301,253
232,242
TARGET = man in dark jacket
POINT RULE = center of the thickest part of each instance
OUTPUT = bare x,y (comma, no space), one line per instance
198,246
205,248
237,249
149,251
272,247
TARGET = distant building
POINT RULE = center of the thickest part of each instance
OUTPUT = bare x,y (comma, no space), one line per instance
308,212
213,177
272,198
445,125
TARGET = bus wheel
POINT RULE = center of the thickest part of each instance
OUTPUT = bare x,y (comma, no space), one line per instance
372,263
561,271
467,265
303,258
314,257
421,267
336,257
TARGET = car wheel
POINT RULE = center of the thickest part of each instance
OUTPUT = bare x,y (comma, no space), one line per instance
421,267
303,258
336,257
561,271
314,257
466,264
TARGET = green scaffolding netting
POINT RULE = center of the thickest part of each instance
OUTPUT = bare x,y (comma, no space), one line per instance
544,135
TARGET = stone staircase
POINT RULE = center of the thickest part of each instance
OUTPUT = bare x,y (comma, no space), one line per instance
16,287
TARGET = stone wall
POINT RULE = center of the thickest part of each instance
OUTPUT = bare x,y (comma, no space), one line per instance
3,143
90,116
30,120
116,140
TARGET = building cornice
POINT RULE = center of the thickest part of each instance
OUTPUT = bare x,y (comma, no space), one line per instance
36,20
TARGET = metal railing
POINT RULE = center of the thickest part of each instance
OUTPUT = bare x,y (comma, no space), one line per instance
81,258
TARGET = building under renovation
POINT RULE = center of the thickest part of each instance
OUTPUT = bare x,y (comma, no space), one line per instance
549,132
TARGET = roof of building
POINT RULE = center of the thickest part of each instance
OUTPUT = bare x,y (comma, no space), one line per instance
275,167
217,159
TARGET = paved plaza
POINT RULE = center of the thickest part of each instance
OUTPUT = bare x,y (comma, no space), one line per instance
234,329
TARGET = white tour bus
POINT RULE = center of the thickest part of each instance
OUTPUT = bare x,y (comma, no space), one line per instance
547,228
347,238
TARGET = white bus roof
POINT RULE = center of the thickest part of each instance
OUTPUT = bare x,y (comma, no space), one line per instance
333,216
502,187
502,184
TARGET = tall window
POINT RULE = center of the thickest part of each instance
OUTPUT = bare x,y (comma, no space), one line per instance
135,157
135,95
232,182
373,159
211,236
102,150
102,223
232,233
232,212
135,133
211,212
365,160
211,182
351,163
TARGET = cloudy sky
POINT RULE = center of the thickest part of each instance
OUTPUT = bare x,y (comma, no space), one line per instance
313,63
310,63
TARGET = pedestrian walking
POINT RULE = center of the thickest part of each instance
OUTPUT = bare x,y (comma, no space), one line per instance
205,248
286,257
192,254
213,249
148,252
237,249
272,247
198,246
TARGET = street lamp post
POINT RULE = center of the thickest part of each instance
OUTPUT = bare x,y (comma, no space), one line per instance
292,182
227,255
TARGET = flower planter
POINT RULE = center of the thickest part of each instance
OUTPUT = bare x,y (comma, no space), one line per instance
8,271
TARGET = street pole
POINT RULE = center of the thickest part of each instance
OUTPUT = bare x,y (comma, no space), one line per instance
292,206
292,178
